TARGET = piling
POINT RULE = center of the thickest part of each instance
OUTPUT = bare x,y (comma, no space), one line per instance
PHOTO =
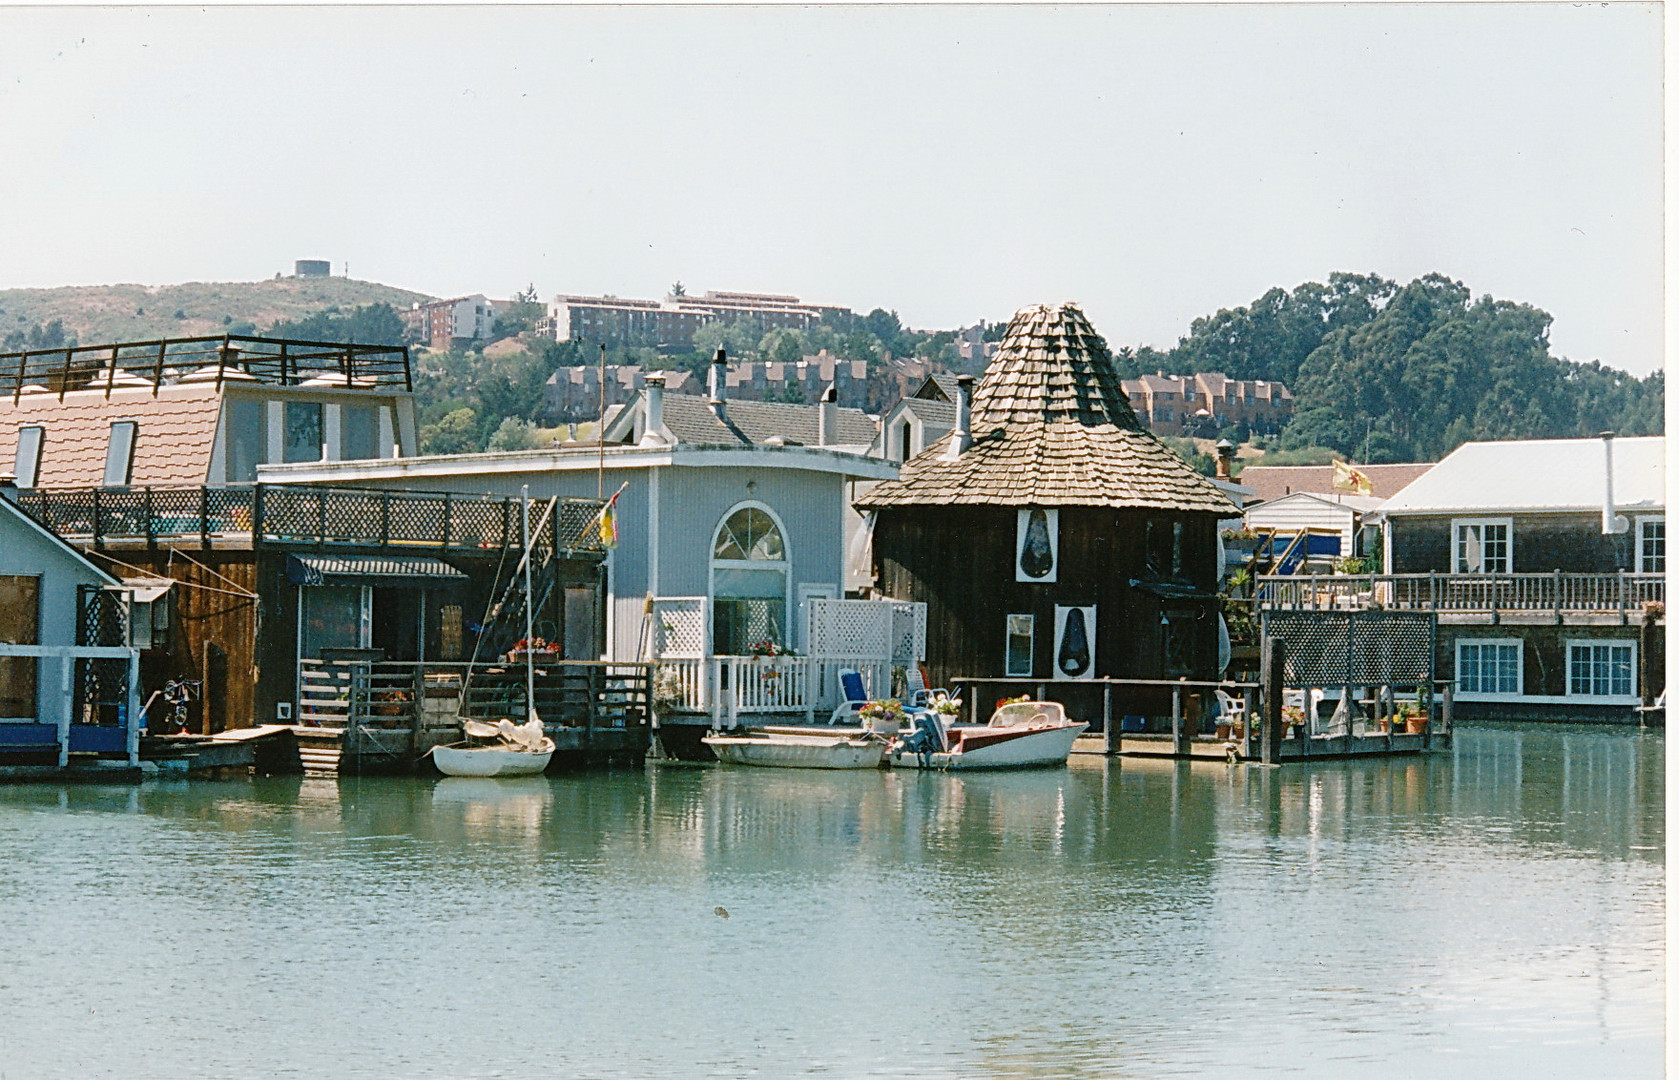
1271,690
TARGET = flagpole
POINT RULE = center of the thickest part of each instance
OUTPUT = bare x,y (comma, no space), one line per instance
600,430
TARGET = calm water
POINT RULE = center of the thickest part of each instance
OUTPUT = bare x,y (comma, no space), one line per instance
1496,911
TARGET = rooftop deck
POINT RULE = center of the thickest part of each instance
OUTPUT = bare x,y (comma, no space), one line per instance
227,358
298,515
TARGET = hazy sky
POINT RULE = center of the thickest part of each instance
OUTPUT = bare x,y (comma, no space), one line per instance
953,163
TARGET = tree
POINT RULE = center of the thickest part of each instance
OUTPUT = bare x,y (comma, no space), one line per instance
515,434
371,324
455,433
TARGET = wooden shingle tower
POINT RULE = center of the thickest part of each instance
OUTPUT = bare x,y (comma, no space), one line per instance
1051,536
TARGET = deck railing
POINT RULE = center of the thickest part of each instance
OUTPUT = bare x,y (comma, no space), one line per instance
1557,592
161,362
728,687
299,514
411,698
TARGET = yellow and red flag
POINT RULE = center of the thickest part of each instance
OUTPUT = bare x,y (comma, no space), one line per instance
609,521
1352,480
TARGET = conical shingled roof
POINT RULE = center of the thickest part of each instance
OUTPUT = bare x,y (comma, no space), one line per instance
1052,427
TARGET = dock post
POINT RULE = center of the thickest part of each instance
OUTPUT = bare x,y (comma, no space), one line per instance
1445,717
1110,744
1180,741
1271,688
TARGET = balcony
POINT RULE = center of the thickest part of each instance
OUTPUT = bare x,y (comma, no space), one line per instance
298,515
1555,595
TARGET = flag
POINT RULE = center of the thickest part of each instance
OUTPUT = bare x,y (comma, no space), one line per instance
1350,479
609,521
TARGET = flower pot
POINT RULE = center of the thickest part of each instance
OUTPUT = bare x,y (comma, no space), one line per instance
1414,724
1223,731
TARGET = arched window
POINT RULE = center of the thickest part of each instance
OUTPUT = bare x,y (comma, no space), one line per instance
748,581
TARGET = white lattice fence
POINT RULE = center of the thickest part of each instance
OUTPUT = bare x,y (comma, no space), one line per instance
679,628
909,632
850,628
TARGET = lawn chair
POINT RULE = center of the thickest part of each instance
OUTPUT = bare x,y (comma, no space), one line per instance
855,697
921,696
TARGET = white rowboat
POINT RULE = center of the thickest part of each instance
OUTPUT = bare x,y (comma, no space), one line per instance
797,751
491,760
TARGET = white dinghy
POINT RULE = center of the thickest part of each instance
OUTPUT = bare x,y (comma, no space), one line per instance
518,750
790,751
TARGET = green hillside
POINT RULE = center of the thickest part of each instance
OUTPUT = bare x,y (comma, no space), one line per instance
95,314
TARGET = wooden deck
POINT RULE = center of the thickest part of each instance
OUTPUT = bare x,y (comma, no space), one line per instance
1207,747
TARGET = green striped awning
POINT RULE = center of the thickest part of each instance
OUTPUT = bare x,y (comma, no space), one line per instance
412,570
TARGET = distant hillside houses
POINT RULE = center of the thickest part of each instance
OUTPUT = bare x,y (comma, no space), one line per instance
670,323
1204,403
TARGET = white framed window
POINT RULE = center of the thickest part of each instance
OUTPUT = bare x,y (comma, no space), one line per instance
1602,669
1489,666
1017,646
1481,546
1652,544
119,453
749,581
27,465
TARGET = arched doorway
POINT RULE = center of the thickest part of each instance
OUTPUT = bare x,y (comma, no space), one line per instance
749,576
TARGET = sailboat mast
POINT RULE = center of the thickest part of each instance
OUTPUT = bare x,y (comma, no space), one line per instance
530,661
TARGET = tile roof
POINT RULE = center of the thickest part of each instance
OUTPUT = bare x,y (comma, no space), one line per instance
1275,481
930,411
691,420
1052,427
174,439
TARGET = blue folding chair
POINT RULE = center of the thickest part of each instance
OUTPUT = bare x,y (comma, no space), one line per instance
851,689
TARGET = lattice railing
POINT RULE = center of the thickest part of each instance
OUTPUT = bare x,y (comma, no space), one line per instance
1556,592
302,514
678,627
1354,648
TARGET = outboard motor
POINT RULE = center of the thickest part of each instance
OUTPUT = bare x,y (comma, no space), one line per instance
926,738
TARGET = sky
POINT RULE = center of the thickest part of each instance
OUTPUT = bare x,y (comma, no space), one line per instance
1152,163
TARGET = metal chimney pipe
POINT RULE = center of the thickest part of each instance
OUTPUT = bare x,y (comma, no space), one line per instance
654,432
827,418
960,437
1613,524
1226,452
719,383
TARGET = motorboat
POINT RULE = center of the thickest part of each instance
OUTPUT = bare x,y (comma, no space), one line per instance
789,750
1020,734
516,750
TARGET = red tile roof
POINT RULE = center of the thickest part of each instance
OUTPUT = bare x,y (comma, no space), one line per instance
174,440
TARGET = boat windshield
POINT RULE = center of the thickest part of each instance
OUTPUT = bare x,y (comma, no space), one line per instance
1029,713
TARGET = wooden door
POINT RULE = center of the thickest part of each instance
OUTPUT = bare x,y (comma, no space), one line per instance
20,624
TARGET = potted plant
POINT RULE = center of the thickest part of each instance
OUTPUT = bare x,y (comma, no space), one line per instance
947,707
883,717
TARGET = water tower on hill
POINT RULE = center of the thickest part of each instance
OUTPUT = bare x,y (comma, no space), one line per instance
314,268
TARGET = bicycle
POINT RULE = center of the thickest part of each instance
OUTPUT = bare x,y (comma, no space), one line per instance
178,693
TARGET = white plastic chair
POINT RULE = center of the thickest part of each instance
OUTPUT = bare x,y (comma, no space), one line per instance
920,695
853,693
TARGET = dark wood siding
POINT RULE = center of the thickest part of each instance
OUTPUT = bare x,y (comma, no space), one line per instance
960,562
1572,543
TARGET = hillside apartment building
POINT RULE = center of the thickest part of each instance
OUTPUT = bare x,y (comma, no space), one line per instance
1174,404
670,323
442,324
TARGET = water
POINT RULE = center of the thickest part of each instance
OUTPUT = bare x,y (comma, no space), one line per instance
1495,911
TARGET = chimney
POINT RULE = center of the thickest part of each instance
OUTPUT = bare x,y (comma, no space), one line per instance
960,437
719,383
1226,451
1613,524
827,418
654,432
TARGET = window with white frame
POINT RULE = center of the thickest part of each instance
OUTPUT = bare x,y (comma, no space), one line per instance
26,466
1601,668
1017,650
119,453
1481,546
749,567
1652,545
1489,666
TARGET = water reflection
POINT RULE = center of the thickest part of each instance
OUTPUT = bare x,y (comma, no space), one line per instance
1494,910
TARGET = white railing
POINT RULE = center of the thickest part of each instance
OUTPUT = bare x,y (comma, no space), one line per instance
1555,592
729,687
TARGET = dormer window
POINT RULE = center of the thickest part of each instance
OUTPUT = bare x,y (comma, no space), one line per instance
303,431
27,465
119,453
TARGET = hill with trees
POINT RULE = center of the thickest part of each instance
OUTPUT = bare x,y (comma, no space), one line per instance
96,314
1383,372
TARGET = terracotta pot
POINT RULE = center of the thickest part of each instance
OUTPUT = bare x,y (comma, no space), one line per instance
1414,724
1223,731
